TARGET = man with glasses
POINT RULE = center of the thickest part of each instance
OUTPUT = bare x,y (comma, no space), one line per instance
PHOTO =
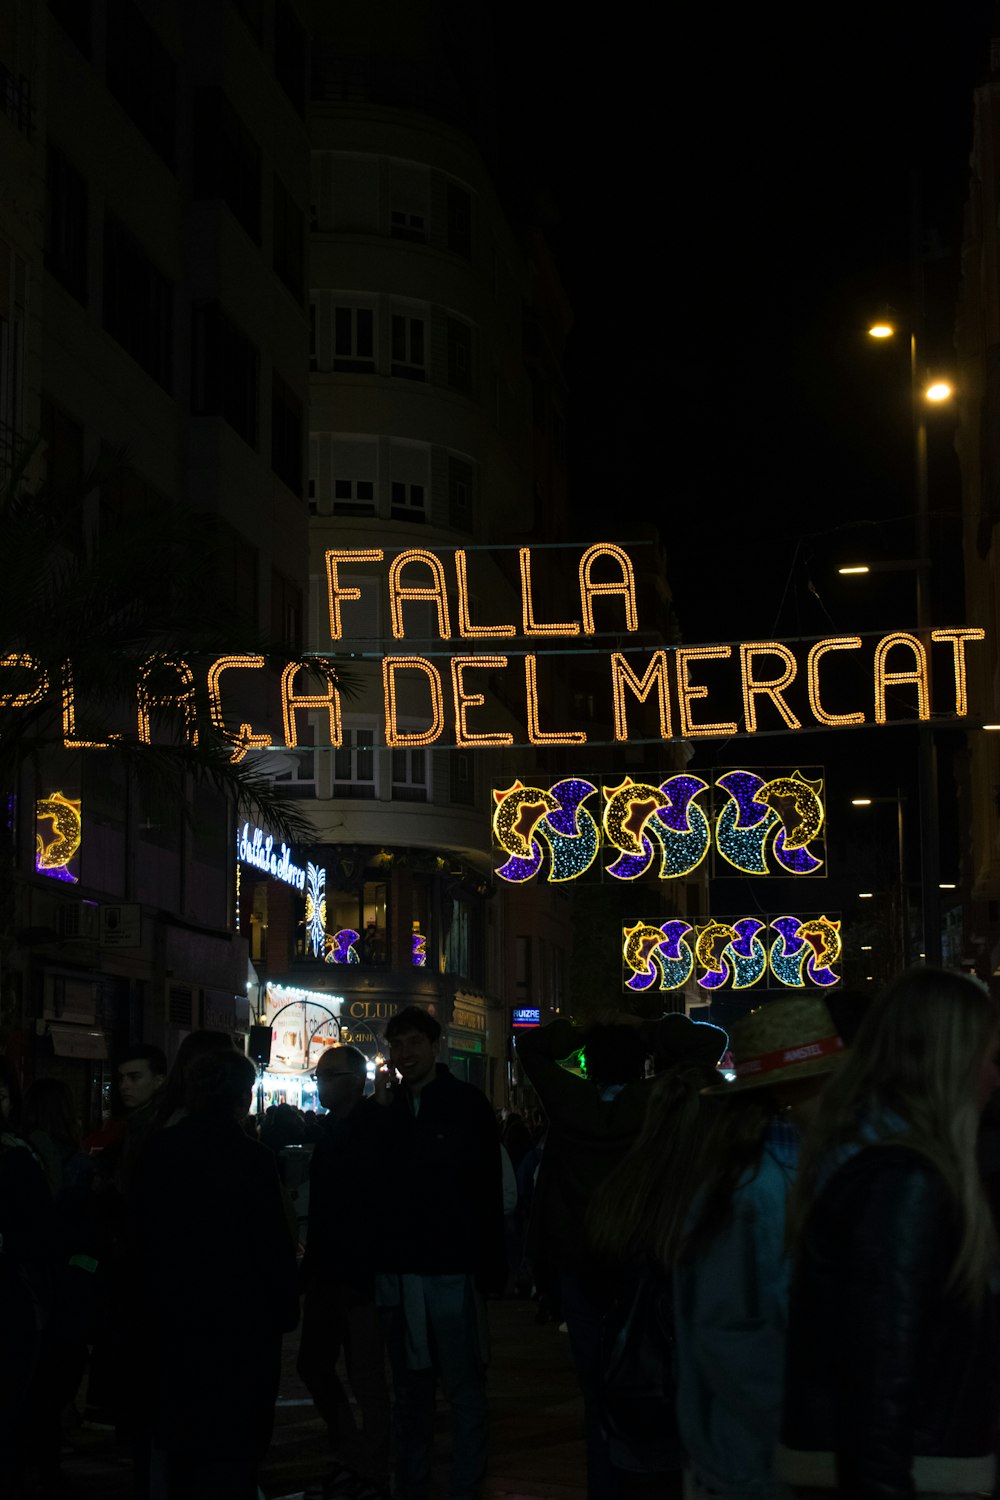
339,1313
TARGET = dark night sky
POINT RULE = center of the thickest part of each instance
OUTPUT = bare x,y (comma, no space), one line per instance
733,200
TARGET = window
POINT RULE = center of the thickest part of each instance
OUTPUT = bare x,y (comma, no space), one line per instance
404,226
226,372
463,778
459,221
459,355
138,303
408,502
299,779
226,159
354,340
409,775
353,497
463,946
236,565
289,240
408,347
354,765
142,77
290,54
66,224
409,192
125,497
63,440
286,434
459,494
286,611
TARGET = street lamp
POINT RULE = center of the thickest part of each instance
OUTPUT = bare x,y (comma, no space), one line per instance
935,392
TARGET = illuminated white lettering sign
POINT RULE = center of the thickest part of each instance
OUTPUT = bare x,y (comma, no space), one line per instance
256,848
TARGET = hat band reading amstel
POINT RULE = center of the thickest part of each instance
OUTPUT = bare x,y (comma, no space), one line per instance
770,1062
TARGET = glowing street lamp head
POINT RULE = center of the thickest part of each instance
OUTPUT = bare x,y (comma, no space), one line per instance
861,802
881,330
938,391
854,568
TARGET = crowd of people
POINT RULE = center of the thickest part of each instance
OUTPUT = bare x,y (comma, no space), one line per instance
778,1283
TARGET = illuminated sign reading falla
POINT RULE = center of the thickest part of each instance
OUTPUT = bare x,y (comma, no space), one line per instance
779,686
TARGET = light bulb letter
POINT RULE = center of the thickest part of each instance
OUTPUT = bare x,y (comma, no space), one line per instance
335,592
624,586
435,592
688,692
464,700
391,668
655,675
772,687
916,674
958,638
832,643
292,702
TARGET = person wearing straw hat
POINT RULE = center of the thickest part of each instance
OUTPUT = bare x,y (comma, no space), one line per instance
724,1235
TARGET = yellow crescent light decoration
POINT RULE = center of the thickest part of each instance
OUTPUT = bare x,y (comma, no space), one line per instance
54,855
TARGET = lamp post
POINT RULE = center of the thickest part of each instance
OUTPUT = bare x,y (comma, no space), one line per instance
935,391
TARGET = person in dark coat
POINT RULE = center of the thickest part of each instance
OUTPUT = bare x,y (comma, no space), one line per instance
339,1313
214,1287
593,1122
440,1247
891,1380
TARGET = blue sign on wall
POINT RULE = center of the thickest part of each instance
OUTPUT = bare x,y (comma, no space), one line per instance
527,1015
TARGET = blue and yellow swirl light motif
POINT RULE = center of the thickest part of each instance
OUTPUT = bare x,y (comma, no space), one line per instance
731,953
658,954
786,812
805,951
528,820
641,819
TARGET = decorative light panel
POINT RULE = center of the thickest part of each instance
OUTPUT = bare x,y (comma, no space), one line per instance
57,845
315,908
733,953
779,817
341,947
766,826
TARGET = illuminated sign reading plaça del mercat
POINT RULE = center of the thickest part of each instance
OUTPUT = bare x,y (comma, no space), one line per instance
674,678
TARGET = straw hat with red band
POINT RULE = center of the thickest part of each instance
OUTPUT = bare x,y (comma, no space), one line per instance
780,1042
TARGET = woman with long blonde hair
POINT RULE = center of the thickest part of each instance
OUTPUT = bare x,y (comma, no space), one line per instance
701,1201
891,1388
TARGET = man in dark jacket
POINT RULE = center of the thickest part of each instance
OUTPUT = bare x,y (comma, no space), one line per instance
339,1310
214,1286
441,1246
